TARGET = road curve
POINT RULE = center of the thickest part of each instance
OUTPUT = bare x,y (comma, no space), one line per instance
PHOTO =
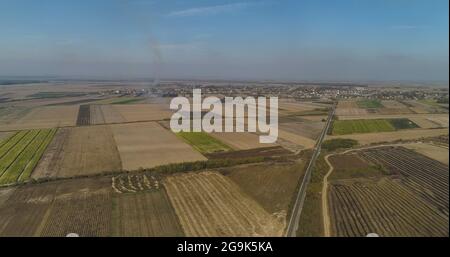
325,212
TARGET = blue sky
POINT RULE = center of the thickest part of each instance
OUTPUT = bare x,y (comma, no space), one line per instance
267,39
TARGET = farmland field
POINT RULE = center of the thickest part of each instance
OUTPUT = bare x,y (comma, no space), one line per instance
425,123
272,186
21,152
383,206
84,115
203,142
392,116
57,208
411,201
108,113
127,100
240,140
438,153
299,140
347,166
146,145
272,151
119,113
349,108
392,104
209,204
365,139
10,115
424,176
341,127
143,112
402,123
442,120
79,151
74,210
307,129
43,117
369,104
144,214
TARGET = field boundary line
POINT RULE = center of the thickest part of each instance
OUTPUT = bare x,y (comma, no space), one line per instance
75,126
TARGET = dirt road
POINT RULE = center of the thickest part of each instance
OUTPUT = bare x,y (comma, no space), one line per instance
325,213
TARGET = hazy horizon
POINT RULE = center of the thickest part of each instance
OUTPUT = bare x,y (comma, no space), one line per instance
227,40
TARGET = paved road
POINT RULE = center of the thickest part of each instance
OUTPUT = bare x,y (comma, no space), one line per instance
292,226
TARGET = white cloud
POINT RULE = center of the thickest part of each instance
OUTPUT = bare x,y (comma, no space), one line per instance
209,10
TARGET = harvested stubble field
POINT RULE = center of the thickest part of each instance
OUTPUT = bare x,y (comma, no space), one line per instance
443,121
96,115
393,107
79,151
81,206
370,138
146,145
425,123
296,139
209,204
240,140
20,153
203,142
44,117
290,107
143,112
349,108
307,129
105,114
435,152
120,113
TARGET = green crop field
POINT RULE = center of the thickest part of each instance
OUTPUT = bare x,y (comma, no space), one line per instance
203,142
343,127
369,104
402,123
20,153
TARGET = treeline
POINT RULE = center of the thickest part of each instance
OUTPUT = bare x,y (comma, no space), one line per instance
162,170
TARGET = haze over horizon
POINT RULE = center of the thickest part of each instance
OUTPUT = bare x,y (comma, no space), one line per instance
265,40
